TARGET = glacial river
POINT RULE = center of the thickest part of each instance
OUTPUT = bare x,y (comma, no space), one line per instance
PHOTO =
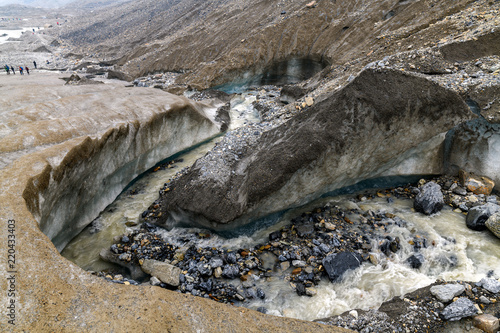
475,254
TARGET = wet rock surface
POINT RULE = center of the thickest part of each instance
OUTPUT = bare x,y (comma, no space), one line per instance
420,311
493,224
430,199
461,308
478,215
339,263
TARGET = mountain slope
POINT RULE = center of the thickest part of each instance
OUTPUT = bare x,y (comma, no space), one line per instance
216,41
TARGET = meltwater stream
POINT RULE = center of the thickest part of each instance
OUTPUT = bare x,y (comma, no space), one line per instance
454,252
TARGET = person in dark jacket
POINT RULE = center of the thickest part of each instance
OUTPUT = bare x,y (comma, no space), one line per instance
13,71
34,64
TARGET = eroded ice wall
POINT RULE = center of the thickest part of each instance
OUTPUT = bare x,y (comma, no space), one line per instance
67,197
94,140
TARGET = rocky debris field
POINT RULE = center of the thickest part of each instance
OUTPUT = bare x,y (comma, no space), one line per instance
322,244
431,309
459,51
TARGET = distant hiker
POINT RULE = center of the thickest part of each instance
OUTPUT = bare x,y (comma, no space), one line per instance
34,64
27,70
21,69
13,71
7,69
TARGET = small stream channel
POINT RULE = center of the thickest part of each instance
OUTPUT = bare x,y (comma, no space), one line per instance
453,253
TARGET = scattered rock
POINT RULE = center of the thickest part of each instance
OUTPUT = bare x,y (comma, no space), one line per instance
430,199
337,264
476,184
483,299
491,285
486,322
230,271
477,216
461,308
447,292
285,265
493,224
460,191
311,4
154,281
166,273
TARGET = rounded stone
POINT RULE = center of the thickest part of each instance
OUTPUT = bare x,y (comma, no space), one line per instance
493,224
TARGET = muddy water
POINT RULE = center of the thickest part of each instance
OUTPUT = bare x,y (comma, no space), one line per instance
454,252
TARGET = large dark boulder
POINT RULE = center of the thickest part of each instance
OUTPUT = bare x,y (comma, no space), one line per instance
416,260
477,216
367,129
430,199
337,264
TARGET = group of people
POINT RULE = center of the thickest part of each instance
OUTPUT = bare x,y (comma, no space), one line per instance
20,68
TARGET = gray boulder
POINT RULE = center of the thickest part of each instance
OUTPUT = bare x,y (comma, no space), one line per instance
491,285
166,273
493,224
430,199
338,263
231,271
477,216
371,128
461,308
416,260
447,292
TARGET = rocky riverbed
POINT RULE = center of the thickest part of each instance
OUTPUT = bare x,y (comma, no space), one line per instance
322,244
